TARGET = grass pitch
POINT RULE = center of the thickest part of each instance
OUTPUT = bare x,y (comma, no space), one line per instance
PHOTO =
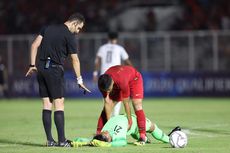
205,120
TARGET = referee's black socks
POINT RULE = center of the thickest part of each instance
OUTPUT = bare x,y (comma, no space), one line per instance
47,122
60,124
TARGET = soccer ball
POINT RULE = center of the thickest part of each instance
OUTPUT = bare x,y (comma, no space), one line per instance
178,139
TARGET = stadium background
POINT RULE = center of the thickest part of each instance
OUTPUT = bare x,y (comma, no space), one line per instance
181,46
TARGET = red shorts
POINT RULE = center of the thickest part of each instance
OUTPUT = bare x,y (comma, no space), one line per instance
136,87
136,90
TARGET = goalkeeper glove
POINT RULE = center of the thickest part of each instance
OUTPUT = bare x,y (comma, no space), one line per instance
98,143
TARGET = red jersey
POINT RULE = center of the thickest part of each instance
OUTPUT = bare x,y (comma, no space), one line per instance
128,82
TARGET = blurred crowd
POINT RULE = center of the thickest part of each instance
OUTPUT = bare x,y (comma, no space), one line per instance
203,15
27,16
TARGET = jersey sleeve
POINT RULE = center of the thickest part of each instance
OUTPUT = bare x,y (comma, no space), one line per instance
124,54
71,44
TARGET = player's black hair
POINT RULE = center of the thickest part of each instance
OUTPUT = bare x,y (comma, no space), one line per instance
104,82
101,137
112,35
77,17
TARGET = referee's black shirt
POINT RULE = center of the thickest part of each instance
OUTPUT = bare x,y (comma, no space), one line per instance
57,43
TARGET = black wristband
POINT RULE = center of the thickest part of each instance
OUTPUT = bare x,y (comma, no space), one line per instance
31,65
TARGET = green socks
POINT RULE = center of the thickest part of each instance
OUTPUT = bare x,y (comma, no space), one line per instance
160,135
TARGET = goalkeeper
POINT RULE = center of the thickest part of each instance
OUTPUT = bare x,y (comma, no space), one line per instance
115,131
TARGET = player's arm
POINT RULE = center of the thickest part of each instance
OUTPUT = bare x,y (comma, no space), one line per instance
125,93
128,62
76,66
96,68
125,57
108,105
33,53
128,111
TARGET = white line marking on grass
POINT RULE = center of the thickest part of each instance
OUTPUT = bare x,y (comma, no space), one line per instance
210,126
6,145
203,134
188,132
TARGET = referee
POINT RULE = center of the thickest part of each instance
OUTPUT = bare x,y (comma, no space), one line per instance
56,42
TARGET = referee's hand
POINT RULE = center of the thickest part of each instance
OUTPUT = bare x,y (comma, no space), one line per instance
31,71
84,88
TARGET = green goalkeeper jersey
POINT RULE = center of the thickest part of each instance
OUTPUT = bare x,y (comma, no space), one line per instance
117,127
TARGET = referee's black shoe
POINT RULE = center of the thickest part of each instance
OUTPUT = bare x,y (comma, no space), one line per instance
51,143
178,128
66,143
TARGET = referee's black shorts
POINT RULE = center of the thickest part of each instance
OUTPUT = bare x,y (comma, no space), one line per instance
51,81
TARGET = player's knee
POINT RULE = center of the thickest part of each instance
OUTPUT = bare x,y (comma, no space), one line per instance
137,106
152,127
47,104
59,104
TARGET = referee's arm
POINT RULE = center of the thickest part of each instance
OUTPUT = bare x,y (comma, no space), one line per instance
34,49
77,70
76,65
33,53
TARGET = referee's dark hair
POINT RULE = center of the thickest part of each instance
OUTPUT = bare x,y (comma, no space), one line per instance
112,35
104,82
77,17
